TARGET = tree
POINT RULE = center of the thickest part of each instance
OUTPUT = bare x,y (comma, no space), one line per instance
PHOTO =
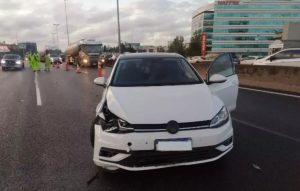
160,49
195,45
178,46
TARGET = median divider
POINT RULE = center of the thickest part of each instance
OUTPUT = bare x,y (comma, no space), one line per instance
277,78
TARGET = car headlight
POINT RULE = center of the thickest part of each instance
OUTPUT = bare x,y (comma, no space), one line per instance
3,62
85,61
110,123
220,119
102,60
18,62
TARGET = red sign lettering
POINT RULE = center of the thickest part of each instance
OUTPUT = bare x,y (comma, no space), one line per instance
203,44
228,2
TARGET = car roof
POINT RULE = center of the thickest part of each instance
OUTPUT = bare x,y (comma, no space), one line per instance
290,49
11,55
150,55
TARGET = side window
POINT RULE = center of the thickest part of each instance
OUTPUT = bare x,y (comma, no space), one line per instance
222,65
295,53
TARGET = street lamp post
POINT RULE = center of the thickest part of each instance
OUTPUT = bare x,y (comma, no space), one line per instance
56,30
119,30
67,21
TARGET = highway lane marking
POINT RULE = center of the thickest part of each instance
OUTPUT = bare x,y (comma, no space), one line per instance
38,93
84,72
267,130
269,92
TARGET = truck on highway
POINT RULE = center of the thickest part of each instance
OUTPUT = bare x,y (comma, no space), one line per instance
84,52
50,51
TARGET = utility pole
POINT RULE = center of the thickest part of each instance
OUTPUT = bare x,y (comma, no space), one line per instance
119,30
17,39
56,30
67,22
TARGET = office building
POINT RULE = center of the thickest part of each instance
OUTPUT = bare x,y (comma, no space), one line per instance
202,21
248,27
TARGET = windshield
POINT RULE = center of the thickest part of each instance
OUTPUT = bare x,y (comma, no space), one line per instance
91,48
11,56
154,72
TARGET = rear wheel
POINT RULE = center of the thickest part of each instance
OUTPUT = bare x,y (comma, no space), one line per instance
3,68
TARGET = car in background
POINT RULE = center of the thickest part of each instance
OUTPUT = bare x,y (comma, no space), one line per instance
286,57
249,59
12,61
195,59
157,112
63,57
107,59
55,59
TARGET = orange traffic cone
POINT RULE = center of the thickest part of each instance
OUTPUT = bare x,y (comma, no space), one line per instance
78,69
99,69
67,66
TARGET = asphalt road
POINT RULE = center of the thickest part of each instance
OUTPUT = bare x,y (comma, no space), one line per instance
47,147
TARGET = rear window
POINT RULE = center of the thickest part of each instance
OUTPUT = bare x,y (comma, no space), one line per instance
13,57
154,72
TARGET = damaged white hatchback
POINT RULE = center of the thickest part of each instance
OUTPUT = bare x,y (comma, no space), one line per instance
157,112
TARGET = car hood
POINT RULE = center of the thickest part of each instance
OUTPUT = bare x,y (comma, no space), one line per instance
261,60
161,104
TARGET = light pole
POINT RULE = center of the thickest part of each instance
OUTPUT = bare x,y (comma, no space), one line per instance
67,22
119,30
56,30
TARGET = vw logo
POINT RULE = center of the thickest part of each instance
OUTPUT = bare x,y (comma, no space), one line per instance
172,127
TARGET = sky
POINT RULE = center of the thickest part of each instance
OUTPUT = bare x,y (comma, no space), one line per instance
150,22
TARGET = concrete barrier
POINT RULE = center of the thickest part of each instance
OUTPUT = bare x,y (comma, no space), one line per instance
278,78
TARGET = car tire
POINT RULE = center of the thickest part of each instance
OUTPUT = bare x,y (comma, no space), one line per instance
3,69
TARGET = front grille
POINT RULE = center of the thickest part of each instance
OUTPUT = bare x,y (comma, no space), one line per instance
94,58
162,127
153,158
10,62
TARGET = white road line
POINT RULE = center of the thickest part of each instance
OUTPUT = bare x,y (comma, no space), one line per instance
84,72
269,92
267,130
38,94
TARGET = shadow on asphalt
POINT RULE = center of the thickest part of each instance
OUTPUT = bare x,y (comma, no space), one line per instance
178,178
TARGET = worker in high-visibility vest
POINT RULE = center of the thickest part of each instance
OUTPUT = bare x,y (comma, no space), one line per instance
38,66
47,63
30,60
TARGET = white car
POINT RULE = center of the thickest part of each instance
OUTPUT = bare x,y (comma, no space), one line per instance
157,112
195,59
249,59
287,57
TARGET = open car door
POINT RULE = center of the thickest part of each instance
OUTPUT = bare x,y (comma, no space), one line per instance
227,89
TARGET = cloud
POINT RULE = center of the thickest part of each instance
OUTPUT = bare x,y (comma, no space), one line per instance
151,22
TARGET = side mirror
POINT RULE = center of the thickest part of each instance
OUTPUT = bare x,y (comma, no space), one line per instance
217,78
100,81
272,58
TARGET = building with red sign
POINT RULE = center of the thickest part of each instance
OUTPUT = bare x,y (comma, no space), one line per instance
248,27
202,22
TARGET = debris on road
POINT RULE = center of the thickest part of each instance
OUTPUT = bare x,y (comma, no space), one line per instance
256,166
